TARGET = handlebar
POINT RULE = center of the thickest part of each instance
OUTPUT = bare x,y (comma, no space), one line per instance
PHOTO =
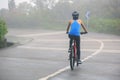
83,33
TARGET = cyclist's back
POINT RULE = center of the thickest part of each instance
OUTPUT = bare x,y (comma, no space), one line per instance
75,27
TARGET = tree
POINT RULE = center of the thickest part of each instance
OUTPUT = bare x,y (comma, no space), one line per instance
45,4
24,8
39,3
11,5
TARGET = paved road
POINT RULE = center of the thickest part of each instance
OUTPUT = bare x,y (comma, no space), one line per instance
42,55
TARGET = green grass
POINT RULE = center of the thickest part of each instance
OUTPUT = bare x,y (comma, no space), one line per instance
110,26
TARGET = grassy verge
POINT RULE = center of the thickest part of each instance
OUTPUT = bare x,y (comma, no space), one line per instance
110,26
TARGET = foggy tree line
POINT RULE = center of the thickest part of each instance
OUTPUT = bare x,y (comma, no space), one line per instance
46,12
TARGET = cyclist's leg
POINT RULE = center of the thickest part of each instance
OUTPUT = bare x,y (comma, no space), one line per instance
78,48
71,40
70,44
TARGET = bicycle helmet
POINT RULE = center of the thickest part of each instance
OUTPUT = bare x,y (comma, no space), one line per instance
75,15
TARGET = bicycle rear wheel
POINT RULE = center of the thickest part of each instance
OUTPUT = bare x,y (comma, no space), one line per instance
72,59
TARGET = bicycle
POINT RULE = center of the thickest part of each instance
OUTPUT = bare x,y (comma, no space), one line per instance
73,54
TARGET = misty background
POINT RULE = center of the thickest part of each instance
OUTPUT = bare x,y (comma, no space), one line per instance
54,14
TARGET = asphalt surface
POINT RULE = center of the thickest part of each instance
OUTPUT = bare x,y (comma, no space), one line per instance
42,55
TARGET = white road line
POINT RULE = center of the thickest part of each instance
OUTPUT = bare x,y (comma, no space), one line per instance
65,49
95,53
58,40
55,49
110,40
43,48
49,48
66,68
42,34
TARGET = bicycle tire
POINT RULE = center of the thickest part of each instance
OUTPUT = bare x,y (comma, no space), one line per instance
72,59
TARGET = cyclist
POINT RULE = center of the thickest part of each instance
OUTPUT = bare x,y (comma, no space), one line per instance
73,30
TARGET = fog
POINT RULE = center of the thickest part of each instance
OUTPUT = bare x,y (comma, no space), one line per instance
55,14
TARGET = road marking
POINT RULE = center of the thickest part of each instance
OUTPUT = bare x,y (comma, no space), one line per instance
65,49
42,34
95,53
42,48
60,40
57,40
66,68
110,40
50,48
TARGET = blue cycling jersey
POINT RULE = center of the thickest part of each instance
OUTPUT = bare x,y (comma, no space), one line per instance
75,28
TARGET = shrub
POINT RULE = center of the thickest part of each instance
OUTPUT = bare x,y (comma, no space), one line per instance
3,32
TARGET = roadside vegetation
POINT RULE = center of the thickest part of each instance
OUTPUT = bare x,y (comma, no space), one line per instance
3,32
102,25
48,14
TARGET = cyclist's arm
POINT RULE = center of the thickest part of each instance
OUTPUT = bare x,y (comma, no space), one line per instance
83,26
68,27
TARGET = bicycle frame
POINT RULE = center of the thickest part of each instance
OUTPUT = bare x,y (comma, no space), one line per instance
75,49
73,55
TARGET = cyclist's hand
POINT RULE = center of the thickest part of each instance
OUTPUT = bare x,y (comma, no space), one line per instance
66,32
86,32
82,33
